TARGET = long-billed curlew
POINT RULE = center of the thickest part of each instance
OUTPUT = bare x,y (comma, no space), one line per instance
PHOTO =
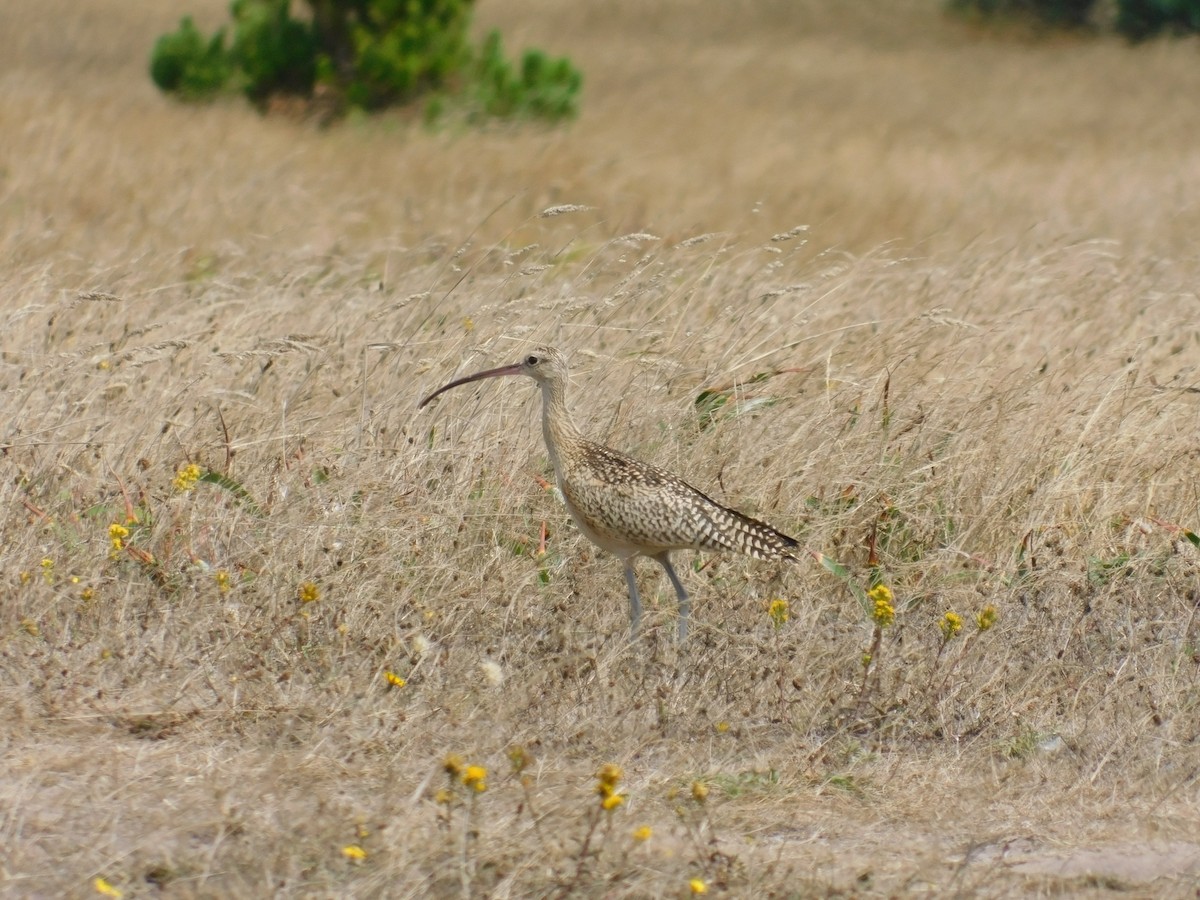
627,507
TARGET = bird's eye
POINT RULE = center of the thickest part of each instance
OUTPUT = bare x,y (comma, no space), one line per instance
531,360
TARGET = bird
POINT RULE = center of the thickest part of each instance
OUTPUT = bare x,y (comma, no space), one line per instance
625,506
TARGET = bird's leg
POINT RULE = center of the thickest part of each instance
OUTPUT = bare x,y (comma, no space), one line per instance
685,604
635,603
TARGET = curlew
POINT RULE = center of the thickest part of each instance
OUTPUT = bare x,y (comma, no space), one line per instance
628,507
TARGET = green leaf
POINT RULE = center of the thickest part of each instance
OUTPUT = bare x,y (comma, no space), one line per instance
239,492
707,404
832,565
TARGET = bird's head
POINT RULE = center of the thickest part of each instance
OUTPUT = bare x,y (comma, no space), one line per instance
545,365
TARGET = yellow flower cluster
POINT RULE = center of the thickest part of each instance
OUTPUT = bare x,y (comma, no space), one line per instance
606,786
354,853
116,536
186,478
223,581
884,612
394,680
950,624
474,777
986,617
308,592
779,612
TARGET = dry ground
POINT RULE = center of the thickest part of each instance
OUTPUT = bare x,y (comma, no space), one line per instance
983,351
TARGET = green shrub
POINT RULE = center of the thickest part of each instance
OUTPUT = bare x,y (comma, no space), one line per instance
404,48
1141,19
275,53
367,54
1059,13
1136,19
545,88
184,62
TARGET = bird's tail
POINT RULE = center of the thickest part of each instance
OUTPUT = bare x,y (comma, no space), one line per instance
728,529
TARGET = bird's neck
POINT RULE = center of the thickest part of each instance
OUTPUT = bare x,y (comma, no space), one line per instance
557,426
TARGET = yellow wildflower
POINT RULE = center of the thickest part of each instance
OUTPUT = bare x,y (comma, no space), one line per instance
394,680
223,581
698,886
608,776
779,612
612,801
699,791
186,478
308,592
354,852
951,624
48,570
453,764
884,612
475,777
643,833
87,595
25,577
116,535
103,887
721,727
986,617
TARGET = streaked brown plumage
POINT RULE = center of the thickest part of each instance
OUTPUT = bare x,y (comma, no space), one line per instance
628,507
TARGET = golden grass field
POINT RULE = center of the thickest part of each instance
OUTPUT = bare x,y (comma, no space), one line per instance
980,358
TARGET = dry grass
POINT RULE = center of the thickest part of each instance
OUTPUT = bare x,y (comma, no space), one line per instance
983,352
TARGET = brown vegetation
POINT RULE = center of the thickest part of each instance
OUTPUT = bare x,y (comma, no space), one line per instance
971,376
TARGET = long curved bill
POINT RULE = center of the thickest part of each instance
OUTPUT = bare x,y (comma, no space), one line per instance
514,369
